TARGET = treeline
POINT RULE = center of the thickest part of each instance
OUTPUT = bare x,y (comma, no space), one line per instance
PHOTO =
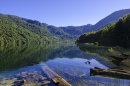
115,34
47,30
15,31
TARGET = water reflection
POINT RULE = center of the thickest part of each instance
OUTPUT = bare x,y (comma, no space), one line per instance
106,53
20,56
70,62
76,72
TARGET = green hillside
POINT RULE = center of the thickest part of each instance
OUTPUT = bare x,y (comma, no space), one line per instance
112,35
15,31
41,29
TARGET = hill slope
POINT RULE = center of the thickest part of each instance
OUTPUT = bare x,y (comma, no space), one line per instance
18,30
113,17
49,29
14,30
112,35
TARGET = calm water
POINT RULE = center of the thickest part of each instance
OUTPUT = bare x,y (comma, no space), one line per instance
68,61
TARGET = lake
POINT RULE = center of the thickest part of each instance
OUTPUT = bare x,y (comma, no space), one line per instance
72,62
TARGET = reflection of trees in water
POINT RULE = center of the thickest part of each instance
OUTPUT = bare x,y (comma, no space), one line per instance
105,53
19,56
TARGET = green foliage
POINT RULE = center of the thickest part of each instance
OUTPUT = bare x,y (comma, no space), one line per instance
112,35
96,43
111,49
15,31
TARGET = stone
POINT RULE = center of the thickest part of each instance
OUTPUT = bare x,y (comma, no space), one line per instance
46,82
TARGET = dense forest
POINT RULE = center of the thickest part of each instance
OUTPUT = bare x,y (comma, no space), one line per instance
16,31
115,34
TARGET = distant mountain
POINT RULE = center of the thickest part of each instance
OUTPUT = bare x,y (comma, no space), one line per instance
55,31
110,18
114,34
78,30
19,30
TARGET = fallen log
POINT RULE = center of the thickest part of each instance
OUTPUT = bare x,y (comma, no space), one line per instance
58,80
115,73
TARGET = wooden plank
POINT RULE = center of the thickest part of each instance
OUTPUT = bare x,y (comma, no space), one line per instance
58,80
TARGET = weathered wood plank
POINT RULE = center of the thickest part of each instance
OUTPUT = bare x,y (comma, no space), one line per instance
58,80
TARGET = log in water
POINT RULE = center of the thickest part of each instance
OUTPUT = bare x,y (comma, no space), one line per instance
58,80
115,73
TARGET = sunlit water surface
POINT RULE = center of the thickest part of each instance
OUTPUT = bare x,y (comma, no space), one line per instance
67,61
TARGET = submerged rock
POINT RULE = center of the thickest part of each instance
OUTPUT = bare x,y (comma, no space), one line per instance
46,82
27,78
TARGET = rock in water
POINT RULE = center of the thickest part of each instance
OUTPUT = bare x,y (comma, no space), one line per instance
23,81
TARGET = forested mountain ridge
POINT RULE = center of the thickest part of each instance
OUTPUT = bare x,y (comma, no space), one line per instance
115,34
113,17
14,31
17,30
77,30
55,31
33,27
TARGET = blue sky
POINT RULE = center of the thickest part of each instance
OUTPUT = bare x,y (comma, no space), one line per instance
63,12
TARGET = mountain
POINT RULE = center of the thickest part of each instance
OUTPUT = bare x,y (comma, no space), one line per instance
53,30
114,34
78,30
41,29
16,31
113,17
31,25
